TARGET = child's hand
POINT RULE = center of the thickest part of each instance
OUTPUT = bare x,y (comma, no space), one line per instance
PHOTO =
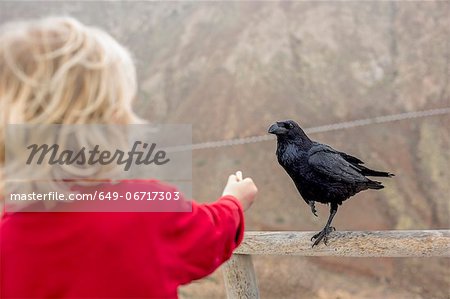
243,189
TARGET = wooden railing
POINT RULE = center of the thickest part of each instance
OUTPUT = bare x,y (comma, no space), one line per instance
240,278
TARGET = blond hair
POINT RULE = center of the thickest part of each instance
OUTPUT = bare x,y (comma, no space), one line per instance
59,71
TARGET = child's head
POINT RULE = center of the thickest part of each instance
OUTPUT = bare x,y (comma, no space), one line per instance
59,71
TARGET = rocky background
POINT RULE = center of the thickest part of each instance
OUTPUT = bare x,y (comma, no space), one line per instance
232,68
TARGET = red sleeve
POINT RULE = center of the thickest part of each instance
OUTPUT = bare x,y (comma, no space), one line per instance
205,238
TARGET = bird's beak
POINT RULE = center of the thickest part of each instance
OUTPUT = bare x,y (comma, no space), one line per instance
276,129
273,128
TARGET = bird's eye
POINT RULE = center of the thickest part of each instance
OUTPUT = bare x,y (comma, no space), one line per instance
290,126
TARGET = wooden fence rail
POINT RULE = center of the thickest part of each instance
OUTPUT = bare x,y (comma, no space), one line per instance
240,278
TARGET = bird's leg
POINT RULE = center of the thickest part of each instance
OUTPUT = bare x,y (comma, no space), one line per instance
323,234
313,207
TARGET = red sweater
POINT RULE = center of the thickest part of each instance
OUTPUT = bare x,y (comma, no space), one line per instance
115,255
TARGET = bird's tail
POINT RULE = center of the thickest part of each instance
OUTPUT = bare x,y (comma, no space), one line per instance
375,185
369,172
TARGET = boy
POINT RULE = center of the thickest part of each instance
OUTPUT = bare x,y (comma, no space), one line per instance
59,71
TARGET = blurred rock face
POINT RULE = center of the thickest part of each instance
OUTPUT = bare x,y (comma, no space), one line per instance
231,69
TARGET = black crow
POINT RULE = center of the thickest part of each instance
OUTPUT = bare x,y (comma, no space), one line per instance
320,172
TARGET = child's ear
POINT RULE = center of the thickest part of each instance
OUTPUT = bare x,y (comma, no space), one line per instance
118,117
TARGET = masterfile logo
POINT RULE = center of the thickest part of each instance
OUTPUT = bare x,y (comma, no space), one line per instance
98,152
46,160
148,156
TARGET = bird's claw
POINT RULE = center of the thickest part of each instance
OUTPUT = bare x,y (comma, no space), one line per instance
322,235
313,208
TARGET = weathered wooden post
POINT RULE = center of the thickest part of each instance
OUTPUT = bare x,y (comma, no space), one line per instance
240,278
391,243
239,274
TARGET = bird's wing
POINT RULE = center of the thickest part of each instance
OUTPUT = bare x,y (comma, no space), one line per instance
351,158
330,163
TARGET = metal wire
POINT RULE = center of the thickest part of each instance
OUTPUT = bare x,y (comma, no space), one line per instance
327,128
321,129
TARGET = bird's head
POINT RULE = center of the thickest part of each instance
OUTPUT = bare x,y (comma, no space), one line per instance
284,127
287,129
